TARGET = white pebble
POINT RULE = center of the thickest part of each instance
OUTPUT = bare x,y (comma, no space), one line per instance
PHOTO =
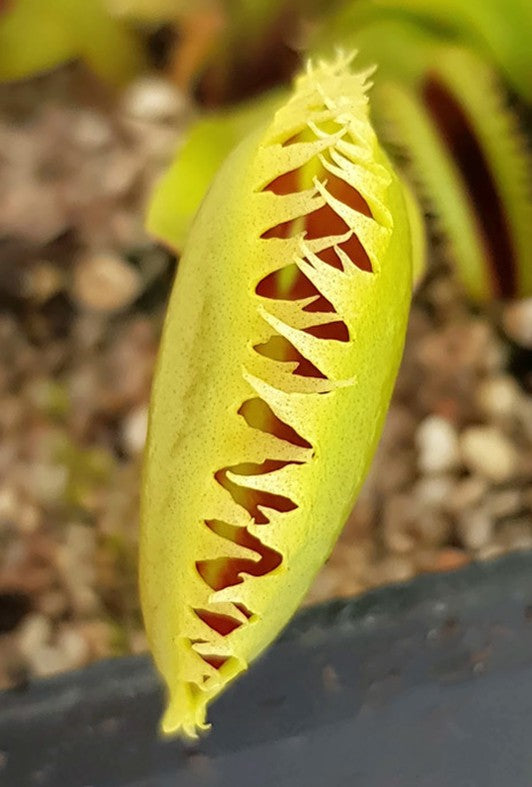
433,527
437,445
9,502
517,320
433,491
398,530
393,568
43,280
73,647
52,603
91,130
154,99
485,450
475,528
134,430
120,175
138,642
33,633
47,661
69,652
507,502
105,283
28,198
499,397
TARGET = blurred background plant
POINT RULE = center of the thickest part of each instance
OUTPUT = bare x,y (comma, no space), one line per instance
96,101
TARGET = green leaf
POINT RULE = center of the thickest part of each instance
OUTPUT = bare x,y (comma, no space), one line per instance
442,107
498,31
180,191
36,36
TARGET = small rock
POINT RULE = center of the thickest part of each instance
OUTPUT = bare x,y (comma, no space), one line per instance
527,497
33,633
425,558
105,283
392,568
47,661
434,491
28,198
47,482
504,503
154,99
69,652
490,552
134,430
29,518
398,530
516,535
517,321
9,503
449,559
157,143
52,603
73,647
75,560
485,450
524,416
349,586
433,528
42,281
120,175
467,494
138,642
12,414
437,445
475,528
90,130
499,397
81,541
99,636
127,229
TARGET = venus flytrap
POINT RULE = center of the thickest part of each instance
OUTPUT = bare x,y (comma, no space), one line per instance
499,30
443,108
435,103
180,191
468,158
279,353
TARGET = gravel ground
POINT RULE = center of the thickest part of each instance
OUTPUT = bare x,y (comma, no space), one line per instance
82,295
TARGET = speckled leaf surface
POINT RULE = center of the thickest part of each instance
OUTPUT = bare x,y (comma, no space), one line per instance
281,345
